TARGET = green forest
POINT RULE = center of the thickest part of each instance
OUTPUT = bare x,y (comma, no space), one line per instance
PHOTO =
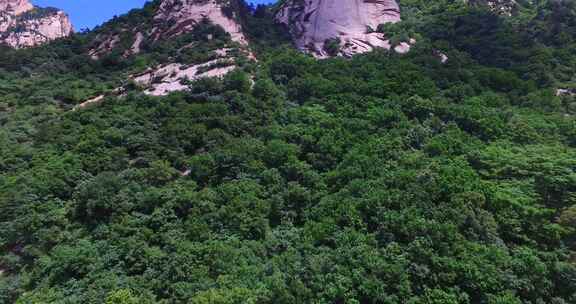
378,179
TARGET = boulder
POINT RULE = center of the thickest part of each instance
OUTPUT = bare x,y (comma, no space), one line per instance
317,25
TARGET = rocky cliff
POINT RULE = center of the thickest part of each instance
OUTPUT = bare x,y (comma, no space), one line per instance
317,25
175,17
24,25
15,7
186,27
170,19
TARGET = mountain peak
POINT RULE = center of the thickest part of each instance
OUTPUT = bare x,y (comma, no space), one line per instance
170,19
205,38
24,25
175,17
15,7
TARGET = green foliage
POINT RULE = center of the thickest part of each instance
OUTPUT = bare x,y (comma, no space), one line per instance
332,46
233,296
122,296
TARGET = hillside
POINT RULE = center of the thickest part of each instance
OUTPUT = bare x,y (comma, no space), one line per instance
443,175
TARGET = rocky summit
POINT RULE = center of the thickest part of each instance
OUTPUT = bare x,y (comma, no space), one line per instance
171,18
352,25
24,25
175,17
16,7
210,29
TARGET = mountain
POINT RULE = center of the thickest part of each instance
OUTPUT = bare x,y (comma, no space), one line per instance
366,177
24,25
341,27
345,28
170,18
15,7
208,33
175,17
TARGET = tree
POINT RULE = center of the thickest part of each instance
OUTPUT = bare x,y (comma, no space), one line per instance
122,296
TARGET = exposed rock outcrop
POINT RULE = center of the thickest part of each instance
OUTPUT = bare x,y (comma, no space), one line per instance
15,7
172,77
172,18
501,7
351,24
165,23
175,17
566,92
24,25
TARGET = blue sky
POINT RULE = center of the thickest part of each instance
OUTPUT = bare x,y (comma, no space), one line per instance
89,13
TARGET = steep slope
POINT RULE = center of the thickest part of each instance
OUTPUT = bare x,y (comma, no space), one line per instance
16,7
205,38
167,19
23,25
316,24
175,17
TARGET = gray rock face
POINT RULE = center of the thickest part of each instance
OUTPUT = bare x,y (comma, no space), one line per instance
23,25
15,7
175,17
313,23
164,79
171,19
